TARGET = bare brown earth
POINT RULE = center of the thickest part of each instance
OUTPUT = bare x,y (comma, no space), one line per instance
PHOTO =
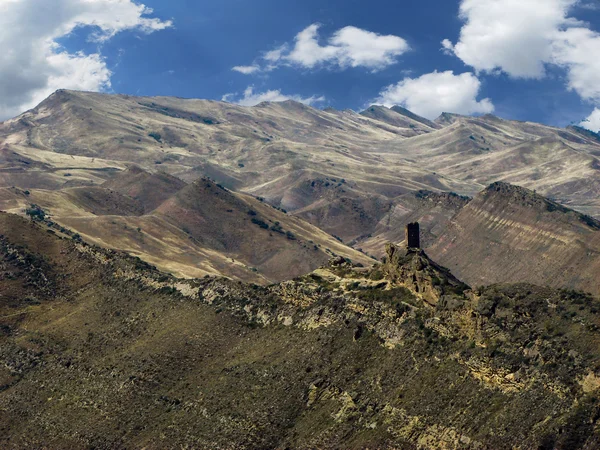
149,190
202,229
511,233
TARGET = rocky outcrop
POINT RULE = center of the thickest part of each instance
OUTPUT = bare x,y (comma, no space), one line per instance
413,269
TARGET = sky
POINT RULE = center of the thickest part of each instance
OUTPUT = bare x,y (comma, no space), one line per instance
536,60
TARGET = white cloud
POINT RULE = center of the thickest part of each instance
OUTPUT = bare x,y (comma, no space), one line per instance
347,47
437,92
275,54
307,51
246,70
593,121
512,35
447,47
522,37
251,98
33,65
578,49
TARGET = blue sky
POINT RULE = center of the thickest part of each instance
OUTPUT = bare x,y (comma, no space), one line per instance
526,59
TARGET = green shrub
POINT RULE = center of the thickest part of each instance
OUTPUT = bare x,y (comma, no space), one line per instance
156,136
260,223
35,212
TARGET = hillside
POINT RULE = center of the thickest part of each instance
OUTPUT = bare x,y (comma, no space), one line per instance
101,350
149,190
408,124
508,233
188,230
289,153
108,165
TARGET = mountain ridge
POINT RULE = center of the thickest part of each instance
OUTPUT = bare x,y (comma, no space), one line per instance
354,177
97,341
512,233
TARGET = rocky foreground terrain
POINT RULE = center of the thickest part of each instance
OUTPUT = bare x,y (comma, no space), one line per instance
101,350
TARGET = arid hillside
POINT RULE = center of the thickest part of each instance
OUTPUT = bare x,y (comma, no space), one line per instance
188,230
511,234
101,350
298,158
127,173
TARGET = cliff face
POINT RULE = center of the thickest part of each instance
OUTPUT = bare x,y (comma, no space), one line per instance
101,350
511,234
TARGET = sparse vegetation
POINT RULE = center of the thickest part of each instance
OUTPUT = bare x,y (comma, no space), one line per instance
260,223
156,136
35,212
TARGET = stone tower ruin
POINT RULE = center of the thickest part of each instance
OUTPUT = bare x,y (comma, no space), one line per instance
413,235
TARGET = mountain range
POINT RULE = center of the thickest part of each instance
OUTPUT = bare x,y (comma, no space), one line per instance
132,163
180,273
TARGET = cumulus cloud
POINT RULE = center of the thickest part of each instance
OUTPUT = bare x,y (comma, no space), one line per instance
437,92
593,121
578,49
33,64
251,98
246,70
347,47
512,35
522,37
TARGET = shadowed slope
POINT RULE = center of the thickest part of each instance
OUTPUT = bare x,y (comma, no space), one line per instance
243,228
409,124
201,229
148,189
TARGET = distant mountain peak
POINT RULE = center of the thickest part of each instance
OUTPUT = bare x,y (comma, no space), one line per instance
283,103
374,108
405,112
400,117
527,197
447,118
492,117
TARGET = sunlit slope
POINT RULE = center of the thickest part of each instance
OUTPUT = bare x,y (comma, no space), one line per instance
510,234
342,171
201,229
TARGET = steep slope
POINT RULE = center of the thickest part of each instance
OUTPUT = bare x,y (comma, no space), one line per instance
100,350
346,173
148,189
201,229
241,227
511,234
409,124
432,210
415,117
469,153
